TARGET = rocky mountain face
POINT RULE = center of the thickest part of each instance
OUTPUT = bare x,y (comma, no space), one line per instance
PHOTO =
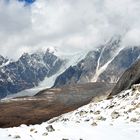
104,64
27,72
131,76
2,60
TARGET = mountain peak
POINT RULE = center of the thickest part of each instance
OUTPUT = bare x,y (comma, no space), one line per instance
51,50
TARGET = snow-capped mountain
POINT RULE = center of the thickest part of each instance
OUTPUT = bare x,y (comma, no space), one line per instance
104,64
34,72
68,60
27,71
116,118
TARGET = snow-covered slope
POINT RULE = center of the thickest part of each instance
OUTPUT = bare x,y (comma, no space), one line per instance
116,118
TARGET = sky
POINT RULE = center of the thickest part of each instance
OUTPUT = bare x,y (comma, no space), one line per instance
68,25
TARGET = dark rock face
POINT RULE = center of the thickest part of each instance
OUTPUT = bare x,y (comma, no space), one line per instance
2,60
130,77
27,72
105,64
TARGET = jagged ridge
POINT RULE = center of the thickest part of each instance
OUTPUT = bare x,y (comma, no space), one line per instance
27,72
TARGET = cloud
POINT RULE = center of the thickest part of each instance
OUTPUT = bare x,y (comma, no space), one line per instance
70,25
132,38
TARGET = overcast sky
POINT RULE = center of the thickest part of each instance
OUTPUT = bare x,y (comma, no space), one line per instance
70,25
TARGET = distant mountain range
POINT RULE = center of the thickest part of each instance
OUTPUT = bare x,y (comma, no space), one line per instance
27,71
106,63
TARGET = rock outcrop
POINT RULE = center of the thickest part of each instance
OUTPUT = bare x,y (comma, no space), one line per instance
131,76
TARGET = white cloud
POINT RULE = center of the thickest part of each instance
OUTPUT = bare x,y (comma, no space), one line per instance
70,25
132,38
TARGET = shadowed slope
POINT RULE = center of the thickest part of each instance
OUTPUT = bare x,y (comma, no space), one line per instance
130,77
